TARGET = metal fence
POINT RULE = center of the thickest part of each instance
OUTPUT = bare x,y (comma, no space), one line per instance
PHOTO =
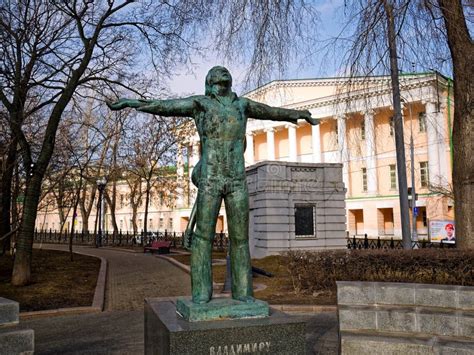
371,243
121,239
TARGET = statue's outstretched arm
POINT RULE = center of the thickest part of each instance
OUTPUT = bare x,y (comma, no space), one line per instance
261,111
174,107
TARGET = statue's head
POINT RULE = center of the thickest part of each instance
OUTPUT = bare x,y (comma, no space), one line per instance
217,75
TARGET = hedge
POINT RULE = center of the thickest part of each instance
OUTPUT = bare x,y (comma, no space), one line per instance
318,271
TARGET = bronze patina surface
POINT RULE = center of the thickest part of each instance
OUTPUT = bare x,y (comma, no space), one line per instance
221,118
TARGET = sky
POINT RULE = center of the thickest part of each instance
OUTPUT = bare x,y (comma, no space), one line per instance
331,20
186,82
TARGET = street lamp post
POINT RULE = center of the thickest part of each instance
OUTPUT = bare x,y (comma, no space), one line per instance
101,187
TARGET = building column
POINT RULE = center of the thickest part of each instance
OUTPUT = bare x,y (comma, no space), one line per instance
249,152
180,176
316,143
343,153
443,144
370,152
292,148
432,135
270,143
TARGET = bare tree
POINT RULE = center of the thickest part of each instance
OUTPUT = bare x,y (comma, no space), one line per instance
461,47
49,49
151,145
8,160
430,34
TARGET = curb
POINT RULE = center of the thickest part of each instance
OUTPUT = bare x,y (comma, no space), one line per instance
175,262
183,267
97,303
99,293
294,308
123,250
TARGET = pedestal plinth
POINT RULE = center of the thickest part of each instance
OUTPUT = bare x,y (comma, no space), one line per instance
221,308
168,333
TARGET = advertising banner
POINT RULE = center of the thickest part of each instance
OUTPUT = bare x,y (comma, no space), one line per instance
442,231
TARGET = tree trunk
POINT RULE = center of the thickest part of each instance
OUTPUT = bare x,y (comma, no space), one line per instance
74,212
134,219
462,51
111,201
147,202
86,207
6,197
24,246
14,206
398,122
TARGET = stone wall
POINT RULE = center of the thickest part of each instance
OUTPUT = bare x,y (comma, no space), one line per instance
13,339
401,318
276,188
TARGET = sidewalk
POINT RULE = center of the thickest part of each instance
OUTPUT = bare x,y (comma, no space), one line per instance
120,329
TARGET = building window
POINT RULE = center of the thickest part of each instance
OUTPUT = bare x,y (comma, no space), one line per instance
425,220
162,222
150,223
140,223
304,221
422,121
392,125
170,223
393,176
337,135
362,129
121,224
122,200
364,179
424,173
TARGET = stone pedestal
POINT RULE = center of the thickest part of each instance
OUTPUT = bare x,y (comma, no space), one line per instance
168,333
220,309
13,340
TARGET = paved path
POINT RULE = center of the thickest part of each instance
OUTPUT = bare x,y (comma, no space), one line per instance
132,277
119,330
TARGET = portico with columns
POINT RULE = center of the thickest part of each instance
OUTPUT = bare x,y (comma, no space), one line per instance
368,157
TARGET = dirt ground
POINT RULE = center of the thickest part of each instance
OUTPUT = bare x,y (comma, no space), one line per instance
279,288
57,281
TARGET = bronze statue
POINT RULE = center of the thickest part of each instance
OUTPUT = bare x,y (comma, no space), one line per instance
221,118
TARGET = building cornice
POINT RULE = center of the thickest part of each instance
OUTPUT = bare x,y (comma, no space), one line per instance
344,81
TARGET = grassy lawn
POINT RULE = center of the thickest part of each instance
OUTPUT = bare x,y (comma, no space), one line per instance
57,281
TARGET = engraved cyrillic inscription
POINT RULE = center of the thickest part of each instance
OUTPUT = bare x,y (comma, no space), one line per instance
246,348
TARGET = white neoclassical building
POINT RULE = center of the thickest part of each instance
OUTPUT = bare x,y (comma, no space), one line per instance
356,129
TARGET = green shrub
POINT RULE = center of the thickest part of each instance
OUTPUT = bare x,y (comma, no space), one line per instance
317,271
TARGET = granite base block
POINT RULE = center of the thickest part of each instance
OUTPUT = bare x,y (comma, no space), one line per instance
16,341
9,311
168,333
221,308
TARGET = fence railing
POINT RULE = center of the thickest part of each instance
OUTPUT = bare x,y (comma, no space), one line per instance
372,243
121,239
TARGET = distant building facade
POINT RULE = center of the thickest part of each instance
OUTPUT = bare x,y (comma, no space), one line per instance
356,130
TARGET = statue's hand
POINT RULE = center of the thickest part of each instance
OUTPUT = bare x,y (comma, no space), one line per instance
119,104
306,115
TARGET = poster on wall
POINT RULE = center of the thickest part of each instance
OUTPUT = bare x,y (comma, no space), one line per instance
442,231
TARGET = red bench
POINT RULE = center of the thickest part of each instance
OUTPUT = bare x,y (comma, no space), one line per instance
162,247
